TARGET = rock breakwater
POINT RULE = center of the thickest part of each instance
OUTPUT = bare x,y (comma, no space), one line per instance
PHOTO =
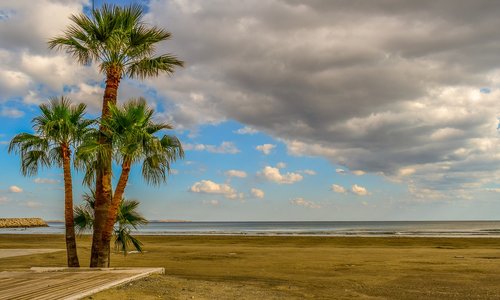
22,222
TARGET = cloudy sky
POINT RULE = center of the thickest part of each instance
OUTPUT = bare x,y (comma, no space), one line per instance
288,110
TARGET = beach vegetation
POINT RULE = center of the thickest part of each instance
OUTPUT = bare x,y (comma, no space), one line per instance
122,45
127,219
135,141
59,130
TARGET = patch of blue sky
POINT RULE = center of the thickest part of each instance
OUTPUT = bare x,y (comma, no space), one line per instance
68,88
17,124
485,90
6,14
205,165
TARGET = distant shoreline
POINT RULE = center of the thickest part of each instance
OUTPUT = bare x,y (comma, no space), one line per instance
169,221
22,223
450,229
150,221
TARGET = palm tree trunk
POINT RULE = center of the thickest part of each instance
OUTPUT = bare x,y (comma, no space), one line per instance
71,252
99,252
115,204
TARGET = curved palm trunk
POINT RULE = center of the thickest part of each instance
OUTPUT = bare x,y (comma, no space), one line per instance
100,251
68,210
115,204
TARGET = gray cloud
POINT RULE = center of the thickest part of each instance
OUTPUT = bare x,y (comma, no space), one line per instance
28,70
388,87
374,86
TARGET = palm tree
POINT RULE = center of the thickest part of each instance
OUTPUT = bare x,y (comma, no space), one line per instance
117,39
60,128
128,218
134,141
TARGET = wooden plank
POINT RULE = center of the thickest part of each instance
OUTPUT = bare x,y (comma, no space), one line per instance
65,283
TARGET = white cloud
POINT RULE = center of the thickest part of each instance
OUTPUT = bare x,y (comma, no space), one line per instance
174,171
15,189
340,171
211,202
429,98
210,187
359,190
494,190
338,189
273,174
427,105
91,94
406,171
29,24
235,173
298,148
11,112
265,148
257,193
46,180
446,134
29,71
223,148
3,199
427,195
246,130
358,172
303,202
281,165
309,172
13,82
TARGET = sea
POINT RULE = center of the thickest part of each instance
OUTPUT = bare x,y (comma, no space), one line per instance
323,228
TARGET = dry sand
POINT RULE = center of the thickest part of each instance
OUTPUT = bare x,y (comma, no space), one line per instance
239,267
21,252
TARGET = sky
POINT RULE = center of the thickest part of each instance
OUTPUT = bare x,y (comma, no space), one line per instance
288,110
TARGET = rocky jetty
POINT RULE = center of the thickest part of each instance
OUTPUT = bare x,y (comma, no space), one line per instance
22,223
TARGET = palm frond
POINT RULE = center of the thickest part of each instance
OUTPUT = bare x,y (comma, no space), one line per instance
154,169
55,156
128,214
60,124
123,241
128,218
134,139
151,67
136,243
84,219
32,160
115,37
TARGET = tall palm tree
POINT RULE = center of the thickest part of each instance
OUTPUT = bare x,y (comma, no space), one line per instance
116,38
60,128
134,141
128,218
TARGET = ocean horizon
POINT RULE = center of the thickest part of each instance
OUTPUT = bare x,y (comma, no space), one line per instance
300,228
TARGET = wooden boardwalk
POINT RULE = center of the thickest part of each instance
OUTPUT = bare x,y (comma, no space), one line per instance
65,283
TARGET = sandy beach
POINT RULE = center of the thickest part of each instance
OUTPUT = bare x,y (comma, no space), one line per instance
239,267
